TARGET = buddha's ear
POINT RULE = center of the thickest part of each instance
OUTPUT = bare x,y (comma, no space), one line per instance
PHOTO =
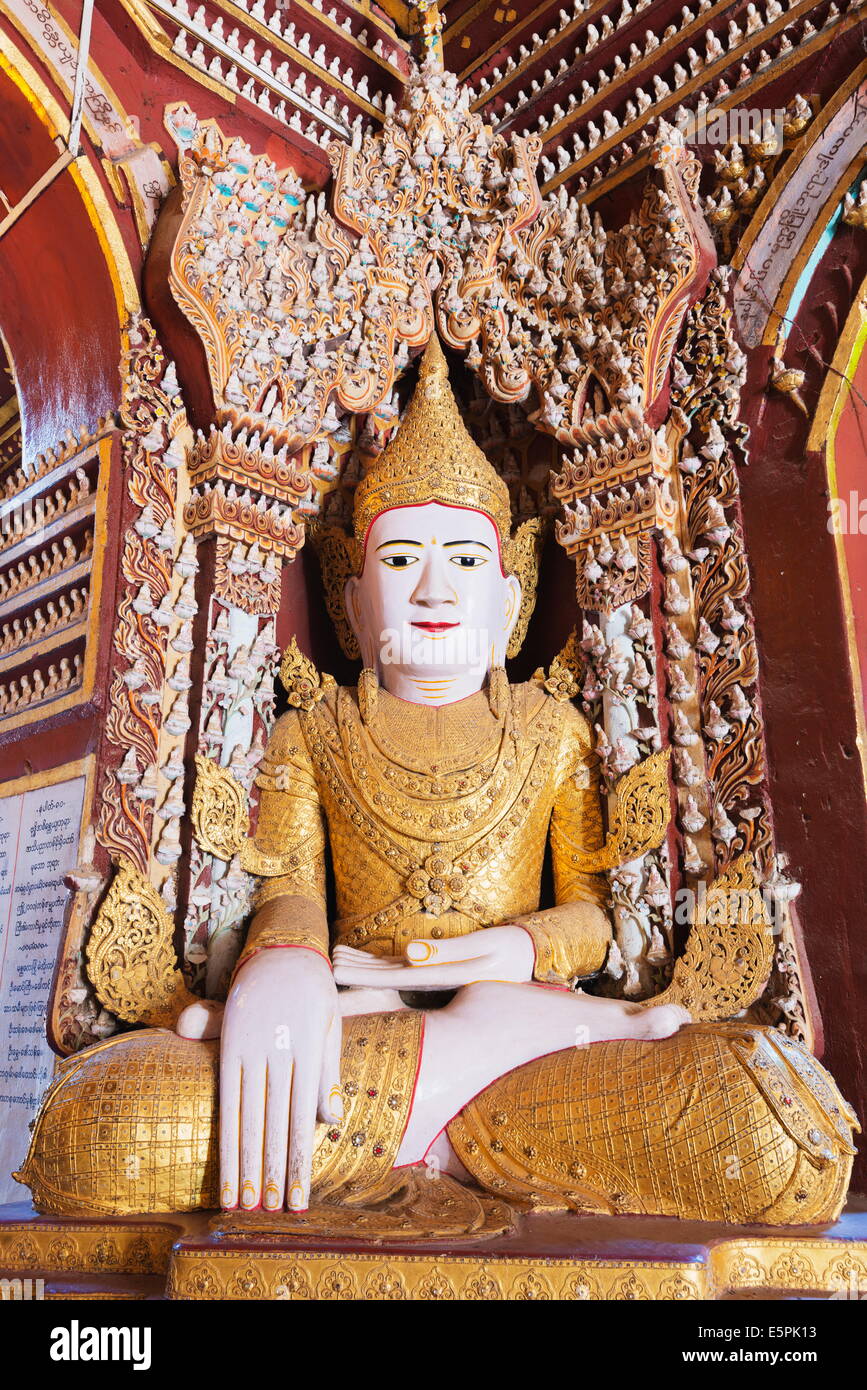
521,557
513,603
350,605
339,559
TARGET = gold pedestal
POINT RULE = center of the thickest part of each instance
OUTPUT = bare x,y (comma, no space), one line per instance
545,1256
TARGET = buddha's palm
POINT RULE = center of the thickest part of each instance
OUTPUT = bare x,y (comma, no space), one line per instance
497,953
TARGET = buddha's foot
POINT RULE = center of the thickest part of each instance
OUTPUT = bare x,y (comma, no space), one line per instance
658,1022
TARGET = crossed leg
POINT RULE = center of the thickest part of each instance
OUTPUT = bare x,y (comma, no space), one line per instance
490,1028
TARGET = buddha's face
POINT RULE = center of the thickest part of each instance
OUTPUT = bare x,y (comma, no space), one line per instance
432,609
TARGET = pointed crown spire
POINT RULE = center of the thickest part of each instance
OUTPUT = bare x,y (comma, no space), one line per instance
432,458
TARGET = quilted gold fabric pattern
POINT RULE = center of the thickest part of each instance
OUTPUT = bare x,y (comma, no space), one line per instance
721,1122
131,1124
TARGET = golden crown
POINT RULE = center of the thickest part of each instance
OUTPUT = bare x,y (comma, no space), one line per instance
432,458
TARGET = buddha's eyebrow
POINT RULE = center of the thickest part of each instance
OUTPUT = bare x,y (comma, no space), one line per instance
448,544
385,543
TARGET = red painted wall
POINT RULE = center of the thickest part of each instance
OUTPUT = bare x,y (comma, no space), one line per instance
57,305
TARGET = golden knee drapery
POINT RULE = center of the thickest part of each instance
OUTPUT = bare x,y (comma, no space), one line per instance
725,1121
718,1122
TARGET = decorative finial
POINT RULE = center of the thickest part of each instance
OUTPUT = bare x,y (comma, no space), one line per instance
430,24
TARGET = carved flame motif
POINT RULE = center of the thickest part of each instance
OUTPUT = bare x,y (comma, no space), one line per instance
305,686
221,821
219,813
153,414
730,949
640,818
131,958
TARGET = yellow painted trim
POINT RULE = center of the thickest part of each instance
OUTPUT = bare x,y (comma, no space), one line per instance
760,79
777,328
160,43
800,152
702,79
399,12
35,781
93,197
278,43
835,394
60,79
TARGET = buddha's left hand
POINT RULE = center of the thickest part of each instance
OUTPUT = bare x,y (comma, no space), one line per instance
497,953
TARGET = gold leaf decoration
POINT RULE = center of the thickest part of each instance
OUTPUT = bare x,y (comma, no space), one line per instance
339,557
563,677
221,821
730,949
521,556
305,686
131,959
640,818
220,815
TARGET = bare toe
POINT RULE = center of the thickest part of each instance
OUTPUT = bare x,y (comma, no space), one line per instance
662,1021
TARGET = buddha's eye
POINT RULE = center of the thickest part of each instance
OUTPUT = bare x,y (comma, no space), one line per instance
399,562
468,562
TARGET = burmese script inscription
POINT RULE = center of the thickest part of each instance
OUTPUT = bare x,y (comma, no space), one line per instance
39,832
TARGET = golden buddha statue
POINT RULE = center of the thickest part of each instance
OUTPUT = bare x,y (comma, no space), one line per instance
436,787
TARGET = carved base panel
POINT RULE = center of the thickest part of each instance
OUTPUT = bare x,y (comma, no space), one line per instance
546,1256
103,1246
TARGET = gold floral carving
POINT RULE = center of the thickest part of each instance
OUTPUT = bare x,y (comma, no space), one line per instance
220,814
640,818
521,555
221,821
730,950
305,686
339,557
706,392
87,1247
752,1265
131,958
153,414
563,678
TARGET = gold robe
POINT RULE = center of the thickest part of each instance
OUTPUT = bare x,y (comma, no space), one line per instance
438,822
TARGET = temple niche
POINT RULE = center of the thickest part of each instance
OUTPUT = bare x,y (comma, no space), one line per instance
596,288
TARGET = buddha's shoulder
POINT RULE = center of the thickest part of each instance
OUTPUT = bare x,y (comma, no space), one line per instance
293,725
542,706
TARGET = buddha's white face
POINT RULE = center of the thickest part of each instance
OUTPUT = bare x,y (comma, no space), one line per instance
432,609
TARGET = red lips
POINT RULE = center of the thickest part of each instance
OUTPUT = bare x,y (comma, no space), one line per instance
435,627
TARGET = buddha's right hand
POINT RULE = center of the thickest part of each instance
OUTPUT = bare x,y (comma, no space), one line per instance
279,1070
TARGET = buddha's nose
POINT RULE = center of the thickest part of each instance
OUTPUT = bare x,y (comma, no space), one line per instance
433,587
